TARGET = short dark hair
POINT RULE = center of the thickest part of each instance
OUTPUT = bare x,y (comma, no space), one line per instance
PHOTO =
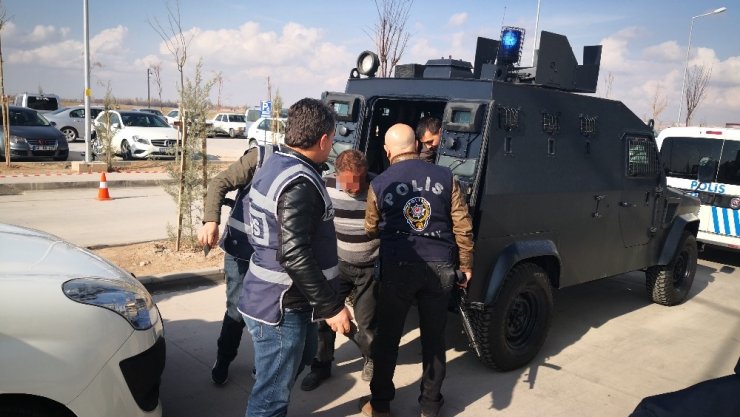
350,160
428,124
308,120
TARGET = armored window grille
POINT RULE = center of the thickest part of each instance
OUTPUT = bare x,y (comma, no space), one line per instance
642,158
550,123
589,125
508,118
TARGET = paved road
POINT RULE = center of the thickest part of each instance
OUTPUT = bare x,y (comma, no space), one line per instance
219,148
608,348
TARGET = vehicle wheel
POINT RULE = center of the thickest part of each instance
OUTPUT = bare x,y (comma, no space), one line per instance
27,409
126,151
69,133
670,284
232,133
512,331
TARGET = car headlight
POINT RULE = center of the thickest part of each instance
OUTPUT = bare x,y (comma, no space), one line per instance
17,139
141,140
130,301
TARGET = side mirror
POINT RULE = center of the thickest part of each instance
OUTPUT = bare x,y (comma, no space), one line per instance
115,126
53,123
707,169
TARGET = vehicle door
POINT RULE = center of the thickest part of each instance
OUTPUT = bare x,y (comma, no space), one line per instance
463,144
77,120
262,128
350,109
638,205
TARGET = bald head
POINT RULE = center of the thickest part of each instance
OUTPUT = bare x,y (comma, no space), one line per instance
399,139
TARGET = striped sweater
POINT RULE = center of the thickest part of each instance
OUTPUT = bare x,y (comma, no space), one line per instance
353,244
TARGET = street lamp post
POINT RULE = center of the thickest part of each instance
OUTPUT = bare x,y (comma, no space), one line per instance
148,98
688,49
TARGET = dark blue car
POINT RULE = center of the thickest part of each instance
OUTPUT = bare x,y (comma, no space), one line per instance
33,137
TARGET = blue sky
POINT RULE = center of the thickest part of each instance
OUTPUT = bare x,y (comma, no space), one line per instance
310,47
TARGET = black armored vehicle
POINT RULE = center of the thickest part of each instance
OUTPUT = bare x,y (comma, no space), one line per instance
564,188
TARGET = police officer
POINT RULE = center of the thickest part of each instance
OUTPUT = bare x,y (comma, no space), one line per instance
425,232
295,256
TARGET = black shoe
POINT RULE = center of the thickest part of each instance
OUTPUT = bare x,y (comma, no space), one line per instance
367,370
314,379
220,372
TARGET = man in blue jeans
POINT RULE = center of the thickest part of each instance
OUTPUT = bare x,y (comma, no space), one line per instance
287,285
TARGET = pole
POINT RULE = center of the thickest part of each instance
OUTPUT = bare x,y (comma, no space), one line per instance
685,72
148,98
536,28
86,31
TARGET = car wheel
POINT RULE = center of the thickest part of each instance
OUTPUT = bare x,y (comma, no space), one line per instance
670,284
512,330
69,133
29,409
126,151
232,133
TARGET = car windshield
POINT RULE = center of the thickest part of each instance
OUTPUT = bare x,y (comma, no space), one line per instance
142,120
237,118
26,118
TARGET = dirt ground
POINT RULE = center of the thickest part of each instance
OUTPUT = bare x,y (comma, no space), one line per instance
159,257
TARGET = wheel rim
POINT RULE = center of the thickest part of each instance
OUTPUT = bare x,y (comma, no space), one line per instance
69,134
231,133
125,150
521,320
681,269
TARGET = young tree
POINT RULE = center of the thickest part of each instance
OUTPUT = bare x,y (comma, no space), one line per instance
219,77
101,144
157,72
658,104
389,32
696,88
4,101
176,42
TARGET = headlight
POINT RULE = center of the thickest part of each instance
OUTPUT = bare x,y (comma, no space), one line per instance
141,140
132,302
17,139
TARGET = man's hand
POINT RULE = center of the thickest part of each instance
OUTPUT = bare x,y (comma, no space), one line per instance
341,322
468,276
208,234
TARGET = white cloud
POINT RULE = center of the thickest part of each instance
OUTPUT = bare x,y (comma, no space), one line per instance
64,31
9,29
457,19
40,33
668,51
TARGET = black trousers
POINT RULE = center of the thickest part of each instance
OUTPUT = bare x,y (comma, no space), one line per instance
429,285
360,280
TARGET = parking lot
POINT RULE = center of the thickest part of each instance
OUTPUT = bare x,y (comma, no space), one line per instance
607,349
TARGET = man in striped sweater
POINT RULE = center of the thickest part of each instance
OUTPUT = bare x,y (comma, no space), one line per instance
357,253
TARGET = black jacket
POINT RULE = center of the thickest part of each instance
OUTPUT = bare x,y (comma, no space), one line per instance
300,208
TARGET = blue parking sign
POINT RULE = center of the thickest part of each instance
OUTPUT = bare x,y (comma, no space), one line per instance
266,106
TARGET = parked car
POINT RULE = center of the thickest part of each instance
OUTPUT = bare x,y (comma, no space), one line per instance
135,134
260,132
71,120
40,102
80,336
152,111
172,117
231,124
32,136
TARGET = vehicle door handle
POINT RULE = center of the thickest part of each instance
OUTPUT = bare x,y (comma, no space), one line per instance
626,204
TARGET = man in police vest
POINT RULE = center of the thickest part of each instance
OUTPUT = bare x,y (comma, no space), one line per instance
425,232
288,284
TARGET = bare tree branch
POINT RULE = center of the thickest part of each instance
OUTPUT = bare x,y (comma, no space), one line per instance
696,88
659,103
389,32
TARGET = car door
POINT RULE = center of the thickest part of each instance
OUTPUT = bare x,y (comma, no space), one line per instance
77,120
639,203
350,110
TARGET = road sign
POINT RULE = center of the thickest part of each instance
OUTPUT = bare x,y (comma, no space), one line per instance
266,106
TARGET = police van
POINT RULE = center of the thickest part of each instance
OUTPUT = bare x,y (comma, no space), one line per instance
715,152
563,187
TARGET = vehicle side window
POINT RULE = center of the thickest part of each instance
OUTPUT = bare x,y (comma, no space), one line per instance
729,164
264,125
642,157
77,113
681,155
93,113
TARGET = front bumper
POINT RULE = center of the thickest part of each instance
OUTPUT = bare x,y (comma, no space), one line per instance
143,150
25,152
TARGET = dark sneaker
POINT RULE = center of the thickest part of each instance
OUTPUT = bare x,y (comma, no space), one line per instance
220,372
314,379
367,370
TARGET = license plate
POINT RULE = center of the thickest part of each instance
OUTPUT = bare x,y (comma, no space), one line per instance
43,148
164,150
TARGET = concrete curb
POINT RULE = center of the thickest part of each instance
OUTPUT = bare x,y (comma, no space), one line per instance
6,189
178,280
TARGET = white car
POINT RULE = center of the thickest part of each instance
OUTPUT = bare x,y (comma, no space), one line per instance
231,124
135,134
172,117
79,337
260,132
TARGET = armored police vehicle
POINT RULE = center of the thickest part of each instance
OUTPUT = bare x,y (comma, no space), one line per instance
564,188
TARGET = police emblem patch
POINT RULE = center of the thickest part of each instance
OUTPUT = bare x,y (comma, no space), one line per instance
417,212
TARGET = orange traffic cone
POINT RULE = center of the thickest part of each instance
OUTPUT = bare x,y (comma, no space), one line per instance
103,190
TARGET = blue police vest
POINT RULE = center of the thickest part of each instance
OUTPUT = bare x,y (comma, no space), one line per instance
235,240
414,198
266,281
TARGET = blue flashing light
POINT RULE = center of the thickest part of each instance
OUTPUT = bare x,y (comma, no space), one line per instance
512,40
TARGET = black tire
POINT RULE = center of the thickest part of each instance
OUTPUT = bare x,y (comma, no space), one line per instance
31,409
126,151
232,133
512,331
70,134
670,284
